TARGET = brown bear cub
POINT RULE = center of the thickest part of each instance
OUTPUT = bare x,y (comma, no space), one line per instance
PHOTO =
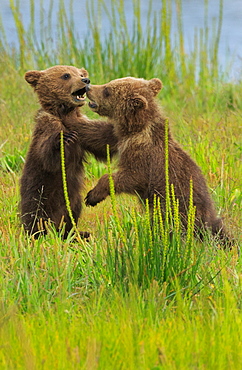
140,128
61,92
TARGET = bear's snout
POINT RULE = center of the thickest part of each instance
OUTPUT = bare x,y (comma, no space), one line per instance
86,80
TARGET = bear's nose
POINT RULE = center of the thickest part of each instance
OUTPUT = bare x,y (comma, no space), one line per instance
86,80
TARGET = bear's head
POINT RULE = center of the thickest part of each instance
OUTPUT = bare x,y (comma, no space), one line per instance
125,97
59,88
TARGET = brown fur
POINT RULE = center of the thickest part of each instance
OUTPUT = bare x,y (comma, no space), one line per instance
41,188
140,128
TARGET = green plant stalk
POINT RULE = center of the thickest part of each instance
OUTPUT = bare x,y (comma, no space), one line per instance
149,252
3,39
20,31
168,205
175,207
113,199
155,220
190,221
161,221
181,39
64,182
136,230
166,33
217,40
176,218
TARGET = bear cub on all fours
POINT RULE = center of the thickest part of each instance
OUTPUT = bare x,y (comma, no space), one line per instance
140,129
61,92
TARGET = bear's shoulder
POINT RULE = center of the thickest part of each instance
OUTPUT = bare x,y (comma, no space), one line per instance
46,124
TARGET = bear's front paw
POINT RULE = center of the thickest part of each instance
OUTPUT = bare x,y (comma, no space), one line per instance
70,137
92,198
85,235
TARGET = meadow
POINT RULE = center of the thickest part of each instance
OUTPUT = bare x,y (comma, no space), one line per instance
131,297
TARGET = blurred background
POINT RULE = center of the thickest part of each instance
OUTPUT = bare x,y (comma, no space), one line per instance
193,16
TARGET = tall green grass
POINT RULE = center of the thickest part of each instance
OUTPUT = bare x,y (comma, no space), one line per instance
135,296
144,51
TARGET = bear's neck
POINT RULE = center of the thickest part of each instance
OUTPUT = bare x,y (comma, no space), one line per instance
151,122
59,110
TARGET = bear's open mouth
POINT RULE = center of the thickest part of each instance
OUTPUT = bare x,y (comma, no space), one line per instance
79,95
92,104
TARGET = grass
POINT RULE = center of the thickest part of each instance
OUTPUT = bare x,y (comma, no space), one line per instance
131,298
145,335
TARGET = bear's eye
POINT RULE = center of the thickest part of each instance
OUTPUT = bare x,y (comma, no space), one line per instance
66,76
106,92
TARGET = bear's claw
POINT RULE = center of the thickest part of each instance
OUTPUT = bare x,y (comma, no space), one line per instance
70,137
90,200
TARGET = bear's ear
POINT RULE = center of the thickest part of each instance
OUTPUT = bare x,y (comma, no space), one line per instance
137,102
32,77
156,85
84,73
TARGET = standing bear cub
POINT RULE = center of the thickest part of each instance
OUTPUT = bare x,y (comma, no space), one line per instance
140,128
61,91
